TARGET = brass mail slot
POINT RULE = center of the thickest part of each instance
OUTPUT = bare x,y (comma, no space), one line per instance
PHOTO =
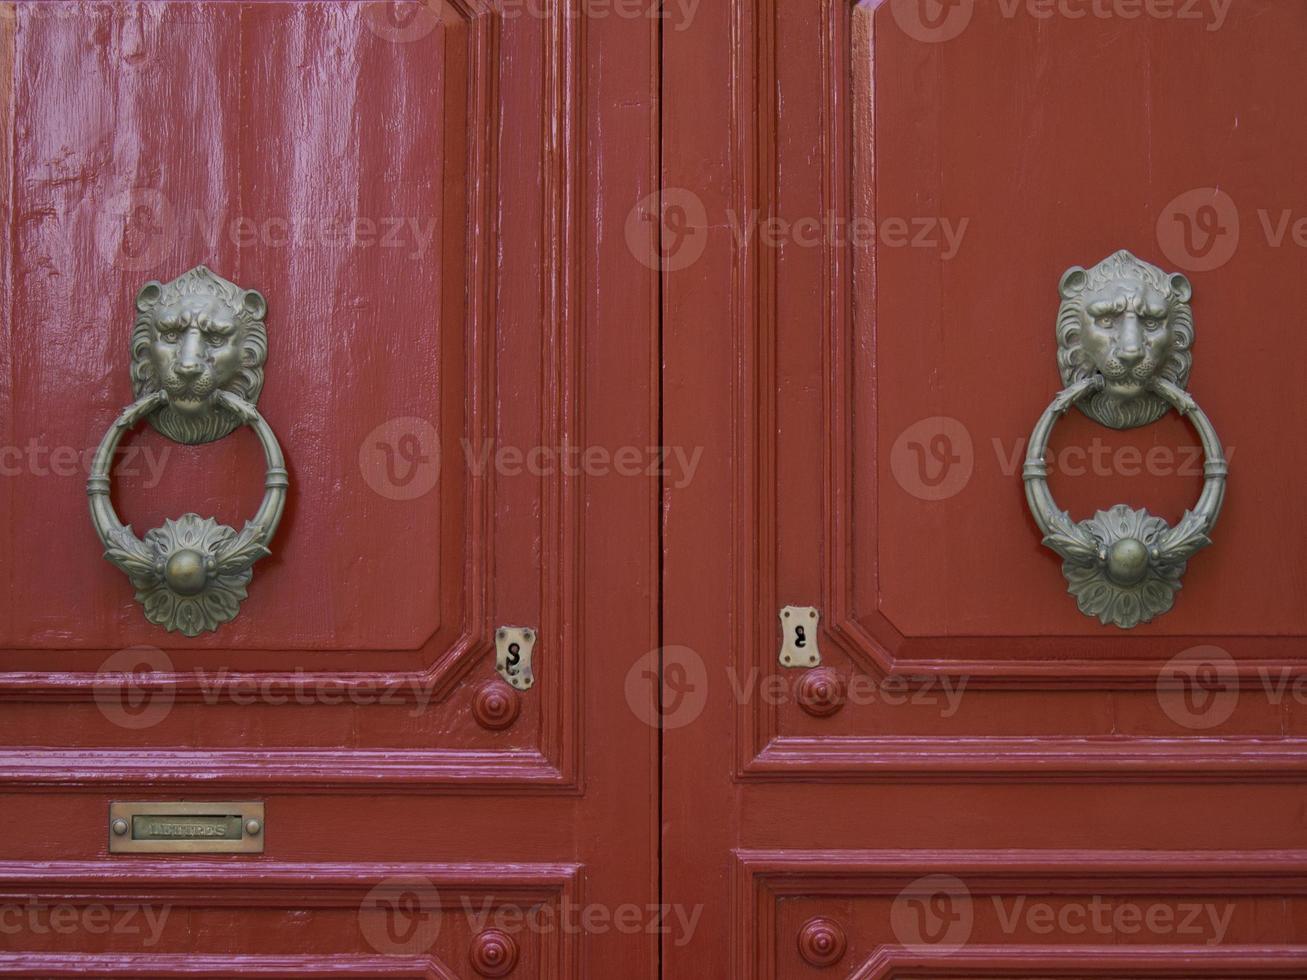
186,828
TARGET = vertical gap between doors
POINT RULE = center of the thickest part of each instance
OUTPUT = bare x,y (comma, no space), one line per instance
659,171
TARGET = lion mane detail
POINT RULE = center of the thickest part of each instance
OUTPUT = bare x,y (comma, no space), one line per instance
248,309
1076,365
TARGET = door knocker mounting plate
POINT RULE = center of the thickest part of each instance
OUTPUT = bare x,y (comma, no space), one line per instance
1124,333
197,354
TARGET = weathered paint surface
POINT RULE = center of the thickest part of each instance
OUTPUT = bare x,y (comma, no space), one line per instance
893,191
433,199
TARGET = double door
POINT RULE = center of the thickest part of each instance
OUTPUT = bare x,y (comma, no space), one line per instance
654,590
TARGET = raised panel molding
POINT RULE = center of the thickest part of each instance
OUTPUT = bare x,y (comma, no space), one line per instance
283,771
764,878
163,965
1120,963
1105,661
276,885
555,765
1115,759
847,34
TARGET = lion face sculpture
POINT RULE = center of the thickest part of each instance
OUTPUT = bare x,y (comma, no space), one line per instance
194,337
1130,322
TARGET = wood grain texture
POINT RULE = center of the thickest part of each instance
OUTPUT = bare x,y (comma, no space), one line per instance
800,118
163,965
830,163
149,137
978,345
999,633
451,79
330,906
776,889
153,966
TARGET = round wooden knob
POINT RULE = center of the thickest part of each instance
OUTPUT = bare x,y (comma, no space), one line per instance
822,942
495,705
493,953
821,692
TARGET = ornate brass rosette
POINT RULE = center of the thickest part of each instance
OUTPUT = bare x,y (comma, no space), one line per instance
198,349
189,575
1124,565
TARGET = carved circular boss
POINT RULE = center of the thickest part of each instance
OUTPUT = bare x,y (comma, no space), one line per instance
1124,334
198,350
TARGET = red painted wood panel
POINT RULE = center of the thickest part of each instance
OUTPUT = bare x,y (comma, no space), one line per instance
889,193
1038,194
996,762
133,165
433,199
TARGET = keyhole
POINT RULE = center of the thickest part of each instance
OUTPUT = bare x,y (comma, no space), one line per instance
800,640
514,655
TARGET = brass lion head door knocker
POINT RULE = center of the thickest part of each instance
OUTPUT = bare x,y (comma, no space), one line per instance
198,350
1124,333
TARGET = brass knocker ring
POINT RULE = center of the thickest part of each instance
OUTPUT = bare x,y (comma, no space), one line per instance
1124,332
199,343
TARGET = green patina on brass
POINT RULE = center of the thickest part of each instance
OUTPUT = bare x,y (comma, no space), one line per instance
1124,333
198,350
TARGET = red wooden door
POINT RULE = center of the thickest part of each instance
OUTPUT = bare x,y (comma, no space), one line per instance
452,211
432,197
869,209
